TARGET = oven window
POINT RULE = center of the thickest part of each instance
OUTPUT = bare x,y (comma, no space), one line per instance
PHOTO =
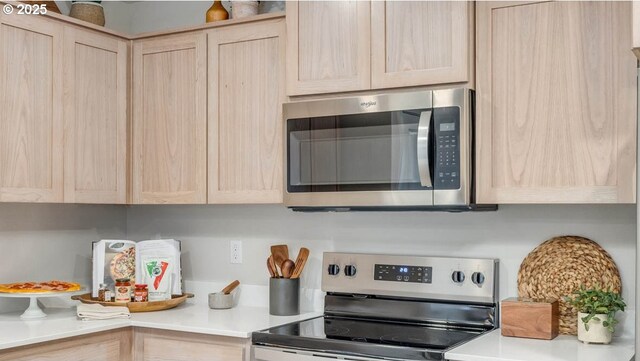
358,152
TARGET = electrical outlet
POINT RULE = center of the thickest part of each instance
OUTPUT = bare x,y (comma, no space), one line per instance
236,251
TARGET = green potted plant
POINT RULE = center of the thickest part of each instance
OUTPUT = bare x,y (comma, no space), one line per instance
596,313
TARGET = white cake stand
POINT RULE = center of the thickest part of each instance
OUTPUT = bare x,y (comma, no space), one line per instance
34,311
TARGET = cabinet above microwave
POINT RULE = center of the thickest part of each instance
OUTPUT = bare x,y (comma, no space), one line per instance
400,151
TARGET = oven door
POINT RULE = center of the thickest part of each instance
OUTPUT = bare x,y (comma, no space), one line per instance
264,353
373,151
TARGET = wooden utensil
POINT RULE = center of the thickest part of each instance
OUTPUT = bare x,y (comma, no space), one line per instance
272,265
287,268
280,254
301,261
232,286
272,271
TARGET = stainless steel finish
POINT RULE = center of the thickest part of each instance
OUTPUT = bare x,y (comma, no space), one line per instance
427,99
360,199
358,105
441,288
457,98
262,353
423,149
438,313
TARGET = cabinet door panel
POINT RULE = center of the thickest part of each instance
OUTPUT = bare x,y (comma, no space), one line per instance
327,46
158,345
245,113
419,42
556,103
636,28
31,116
170,120
95,110
106,346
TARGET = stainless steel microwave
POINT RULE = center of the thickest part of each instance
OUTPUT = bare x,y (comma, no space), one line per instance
399,151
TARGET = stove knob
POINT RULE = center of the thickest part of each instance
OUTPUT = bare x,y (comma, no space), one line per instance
333,270
457,276
477,278
350,270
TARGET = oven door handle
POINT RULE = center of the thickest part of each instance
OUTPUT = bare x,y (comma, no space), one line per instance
424,166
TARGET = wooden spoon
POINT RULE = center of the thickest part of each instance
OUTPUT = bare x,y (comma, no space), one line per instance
287,268
301,261
232,286
272,271
272,265
280,254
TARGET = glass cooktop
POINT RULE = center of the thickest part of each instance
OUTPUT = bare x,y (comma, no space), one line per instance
358,337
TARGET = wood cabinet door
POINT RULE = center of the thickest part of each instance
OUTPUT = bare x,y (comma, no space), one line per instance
556,103
31,156
170,119
95,113
246,91
420,42
159,345
636,28
106,346
328,46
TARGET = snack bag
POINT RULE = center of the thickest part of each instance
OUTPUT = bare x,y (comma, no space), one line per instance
157,274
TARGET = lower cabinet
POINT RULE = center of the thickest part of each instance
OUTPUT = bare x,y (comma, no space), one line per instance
105,346
160,345
136,344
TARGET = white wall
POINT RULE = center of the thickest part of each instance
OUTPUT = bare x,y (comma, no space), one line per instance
134,17
46,241
508,234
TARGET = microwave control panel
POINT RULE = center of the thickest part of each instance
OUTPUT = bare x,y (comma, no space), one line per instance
447,148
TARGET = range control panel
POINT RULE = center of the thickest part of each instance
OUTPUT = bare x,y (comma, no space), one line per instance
442,278
399,273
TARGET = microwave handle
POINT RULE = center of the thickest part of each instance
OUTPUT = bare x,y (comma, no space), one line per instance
423,149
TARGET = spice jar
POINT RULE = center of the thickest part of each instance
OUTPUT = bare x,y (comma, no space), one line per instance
104,293
141,293
123,290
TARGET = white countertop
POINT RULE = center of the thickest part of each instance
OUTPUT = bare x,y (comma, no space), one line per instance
494,347
239,321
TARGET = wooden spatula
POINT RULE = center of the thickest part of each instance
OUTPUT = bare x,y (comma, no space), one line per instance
280,254
301,261
272,267
232,286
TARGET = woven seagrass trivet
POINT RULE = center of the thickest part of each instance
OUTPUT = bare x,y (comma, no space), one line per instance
558,267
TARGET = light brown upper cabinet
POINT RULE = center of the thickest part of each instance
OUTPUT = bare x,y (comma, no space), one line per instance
636,28
31,156
246,91
420,42
556,103
170,119
328,46
95,112
341,46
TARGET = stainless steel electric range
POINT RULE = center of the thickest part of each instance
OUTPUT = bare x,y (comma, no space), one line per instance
385,307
